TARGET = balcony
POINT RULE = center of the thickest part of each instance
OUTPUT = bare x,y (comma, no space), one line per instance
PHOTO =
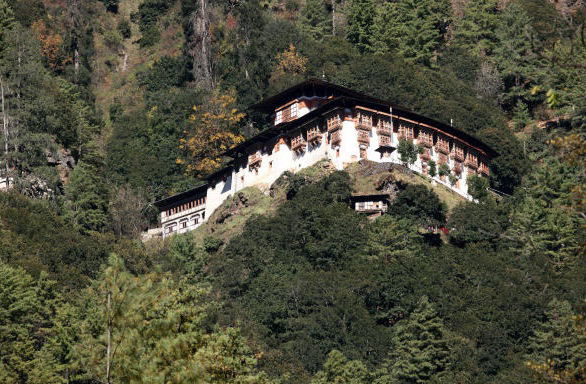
425,140
336,138
314,135
334,124
254,160
443,147
363,126
383,131
484,169
471,162
384,141
363,137
297,143
458,168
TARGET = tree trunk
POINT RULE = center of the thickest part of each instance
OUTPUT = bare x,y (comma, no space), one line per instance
6,133
109,339
200,45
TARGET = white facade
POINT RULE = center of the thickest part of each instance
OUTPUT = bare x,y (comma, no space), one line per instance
342,135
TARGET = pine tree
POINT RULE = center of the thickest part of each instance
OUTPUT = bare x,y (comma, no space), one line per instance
415,29
421,348
150,329
476,29
337,369
513,54
31,350
314,20
87,194
557,344
360,16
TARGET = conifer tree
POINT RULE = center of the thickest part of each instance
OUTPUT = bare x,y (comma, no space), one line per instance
314,20
420,346
513,55
337,369
475,31
557,343
414,28
30,349
360,15
87,194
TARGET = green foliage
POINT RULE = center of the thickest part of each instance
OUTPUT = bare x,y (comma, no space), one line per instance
87,195
31,315
361,16
514,54
541,226
111,5
407,151
420,346
337,369
166,72
314,20
149,13
124,29
522,116
413,29
475,31
420,205
432,170
558,342
444,169
136,325
473,222
477,186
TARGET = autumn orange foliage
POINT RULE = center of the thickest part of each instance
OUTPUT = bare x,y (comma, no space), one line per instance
51,43
213,131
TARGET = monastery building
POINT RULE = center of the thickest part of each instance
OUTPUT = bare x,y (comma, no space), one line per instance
317,120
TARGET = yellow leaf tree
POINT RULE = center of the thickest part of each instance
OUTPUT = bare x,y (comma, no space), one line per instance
213,131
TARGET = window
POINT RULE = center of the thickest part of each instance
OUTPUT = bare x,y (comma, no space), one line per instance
171,228
195,220
293,110
183,224
279,117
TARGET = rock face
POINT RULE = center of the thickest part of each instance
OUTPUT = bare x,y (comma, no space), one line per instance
63,160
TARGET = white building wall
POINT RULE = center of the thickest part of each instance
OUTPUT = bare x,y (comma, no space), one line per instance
284,159
218,193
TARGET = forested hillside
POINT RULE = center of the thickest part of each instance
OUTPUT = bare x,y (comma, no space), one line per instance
110,105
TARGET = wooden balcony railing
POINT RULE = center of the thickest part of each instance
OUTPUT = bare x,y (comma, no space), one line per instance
298,143
363,136
458,153
443,147
483,168
471,162
425,139
254,160
314,134
364,126
336,137
384,141
334,123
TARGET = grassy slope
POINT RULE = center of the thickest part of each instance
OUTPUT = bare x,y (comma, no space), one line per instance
368,176
119,81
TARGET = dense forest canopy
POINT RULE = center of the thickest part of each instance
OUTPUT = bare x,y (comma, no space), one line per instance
108,105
